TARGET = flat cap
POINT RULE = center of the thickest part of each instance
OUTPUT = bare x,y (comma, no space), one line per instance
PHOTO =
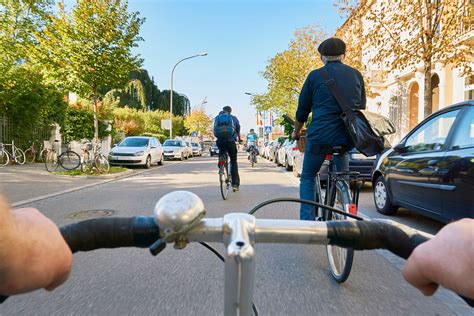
332,47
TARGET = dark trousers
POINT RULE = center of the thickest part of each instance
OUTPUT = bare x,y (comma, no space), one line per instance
230,148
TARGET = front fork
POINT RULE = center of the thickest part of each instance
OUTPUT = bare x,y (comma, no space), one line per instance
240,264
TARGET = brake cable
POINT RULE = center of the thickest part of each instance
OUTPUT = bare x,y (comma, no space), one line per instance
277,200
302,201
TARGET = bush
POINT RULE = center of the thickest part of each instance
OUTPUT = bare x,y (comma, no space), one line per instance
30,103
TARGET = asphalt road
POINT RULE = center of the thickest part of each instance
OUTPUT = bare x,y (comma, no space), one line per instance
291,280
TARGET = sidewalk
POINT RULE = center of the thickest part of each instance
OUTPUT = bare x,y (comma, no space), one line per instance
29,181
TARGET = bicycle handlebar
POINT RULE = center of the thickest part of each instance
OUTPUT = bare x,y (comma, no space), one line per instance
238,231
142,232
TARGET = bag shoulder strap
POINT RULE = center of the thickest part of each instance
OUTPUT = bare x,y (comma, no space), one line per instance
331,84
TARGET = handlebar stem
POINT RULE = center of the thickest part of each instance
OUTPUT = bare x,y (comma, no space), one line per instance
240,264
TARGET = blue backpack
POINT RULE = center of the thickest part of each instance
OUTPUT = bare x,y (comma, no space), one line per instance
224,126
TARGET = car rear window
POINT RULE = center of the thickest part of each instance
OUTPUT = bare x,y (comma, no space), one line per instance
172,143
134,142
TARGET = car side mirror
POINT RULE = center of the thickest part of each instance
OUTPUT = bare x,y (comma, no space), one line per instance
400,148
114,145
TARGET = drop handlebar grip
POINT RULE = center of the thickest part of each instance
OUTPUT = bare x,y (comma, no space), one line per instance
378,234
113,232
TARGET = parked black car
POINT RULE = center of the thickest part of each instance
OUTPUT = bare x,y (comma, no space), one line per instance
431,170
213,150
362,164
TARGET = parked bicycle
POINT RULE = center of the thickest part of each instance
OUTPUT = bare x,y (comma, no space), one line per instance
178,218
15,155
93,159
69,160
225,182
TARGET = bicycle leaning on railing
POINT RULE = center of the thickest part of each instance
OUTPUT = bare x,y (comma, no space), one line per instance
69,160
178,218
16,155
92,158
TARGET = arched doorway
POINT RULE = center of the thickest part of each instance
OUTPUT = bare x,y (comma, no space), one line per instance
413,105
434,93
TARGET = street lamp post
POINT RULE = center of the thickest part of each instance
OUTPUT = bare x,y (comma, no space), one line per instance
171,92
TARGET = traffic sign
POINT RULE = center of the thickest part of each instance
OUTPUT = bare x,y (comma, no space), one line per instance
268,129
194,134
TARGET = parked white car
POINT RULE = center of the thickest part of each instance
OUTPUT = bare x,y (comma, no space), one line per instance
290,150
175,149
189,148
197,149
137,150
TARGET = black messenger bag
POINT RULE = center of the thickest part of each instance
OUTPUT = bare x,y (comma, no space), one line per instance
359,129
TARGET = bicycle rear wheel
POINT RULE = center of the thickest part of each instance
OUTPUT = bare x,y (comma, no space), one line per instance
4,158
101,163
224,179
19,156
70,160
30,155
51,161
340,259
42,155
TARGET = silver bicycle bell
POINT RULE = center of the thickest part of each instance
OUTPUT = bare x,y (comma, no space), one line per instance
176,213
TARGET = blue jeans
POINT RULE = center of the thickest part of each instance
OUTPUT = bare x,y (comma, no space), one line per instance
313,160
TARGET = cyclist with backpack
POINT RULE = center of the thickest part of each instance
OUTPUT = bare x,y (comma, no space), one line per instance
227,132
252,142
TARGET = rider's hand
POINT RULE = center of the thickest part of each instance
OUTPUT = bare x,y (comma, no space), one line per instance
446,260
295,135
33,254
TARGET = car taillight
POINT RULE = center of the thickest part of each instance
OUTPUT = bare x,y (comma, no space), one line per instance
295,148
328,157
221,162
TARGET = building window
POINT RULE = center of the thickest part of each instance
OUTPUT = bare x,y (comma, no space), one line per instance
469,88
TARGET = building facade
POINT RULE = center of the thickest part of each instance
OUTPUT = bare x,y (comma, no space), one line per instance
398,93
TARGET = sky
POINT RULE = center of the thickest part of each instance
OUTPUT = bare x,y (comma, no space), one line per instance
239,37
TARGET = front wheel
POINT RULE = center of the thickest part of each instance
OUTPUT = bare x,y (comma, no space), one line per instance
51,161
147,163
101,163
160,163
382,199
340,259
287,165
70,160
30,155
4,159
19,156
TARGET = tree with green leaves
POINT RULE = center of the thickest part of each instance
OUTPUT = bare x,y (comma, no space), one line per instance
181,104
19,21
198,121
140,92
287,71
89,47
414,34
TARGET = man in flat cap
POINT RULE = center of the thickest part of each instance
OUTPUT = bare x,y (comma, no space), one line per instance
326,129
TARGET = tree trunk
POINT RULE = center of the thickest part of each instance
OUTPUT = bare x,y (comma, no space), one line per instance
96,121
427,95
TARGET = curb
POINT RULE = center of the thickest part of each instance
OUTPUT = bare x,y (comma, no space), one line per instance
116,177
